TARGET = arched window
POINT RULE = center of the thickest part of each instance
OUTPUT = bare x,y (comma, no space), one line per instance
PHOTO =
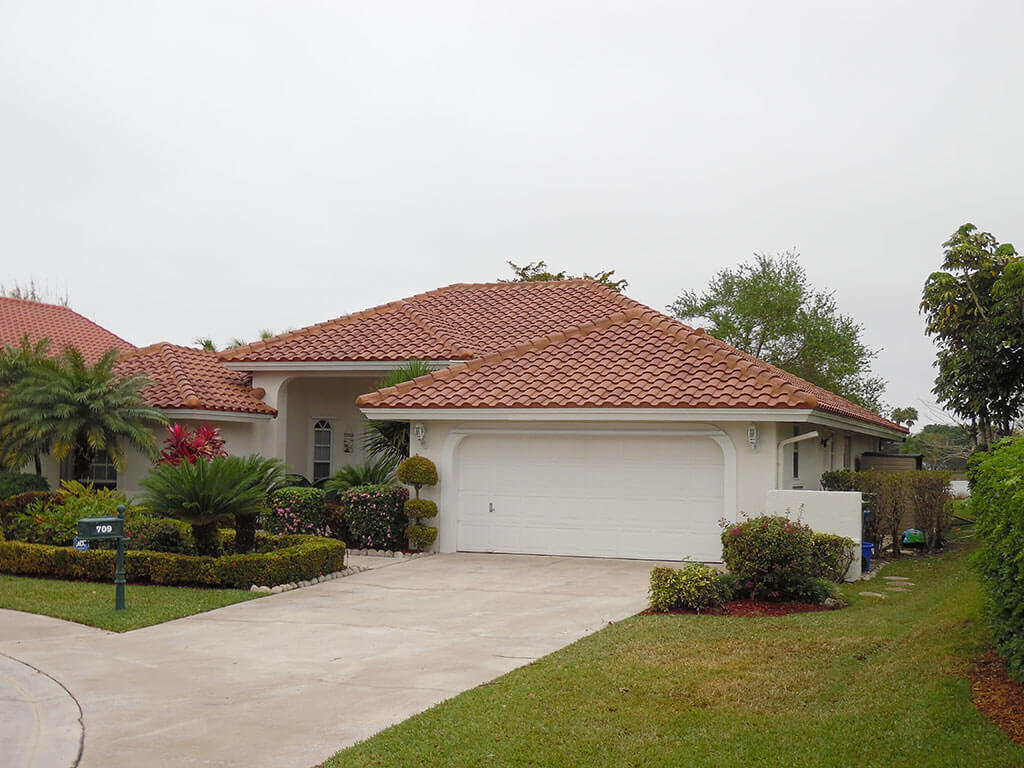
321,450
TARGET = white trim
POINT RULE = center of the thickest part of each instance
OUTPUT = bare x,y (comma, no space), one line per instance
198,414
355,366
855,425
448,525
589,414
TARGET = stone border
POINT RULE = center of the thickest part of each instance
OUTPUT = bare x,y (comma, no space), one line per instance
346,571
388,553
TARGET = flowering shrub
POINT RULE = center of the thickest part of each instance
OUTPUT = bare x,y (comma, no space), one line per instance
696,587
831,556
296,510
770,555
376,516
184,444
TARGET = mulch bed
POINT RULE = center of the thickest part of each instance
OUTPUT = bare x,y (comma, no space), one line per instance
998,697
749,608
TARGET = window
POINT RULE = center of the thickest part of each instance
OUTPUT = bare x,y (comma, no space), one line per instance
796,461
102,472
321,450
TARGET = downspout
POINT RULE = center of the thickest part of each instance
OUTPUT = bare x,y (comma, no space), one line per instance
780,451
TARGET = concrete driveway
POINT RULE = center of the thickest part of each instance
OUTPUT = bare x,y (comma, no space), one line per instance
287,680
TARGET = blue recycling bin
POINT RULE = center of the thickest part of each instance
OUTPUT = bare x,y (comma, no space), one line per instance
866,550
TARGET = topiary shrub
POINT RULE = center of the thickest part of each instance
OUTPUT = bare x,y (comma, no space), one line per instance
771,554
417,471
420,508
421,536
13,483
296,510
831,556
376,516
997,501
696,587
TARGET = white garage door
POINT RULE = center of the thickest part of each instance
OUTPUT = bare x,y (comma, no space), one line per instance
647,497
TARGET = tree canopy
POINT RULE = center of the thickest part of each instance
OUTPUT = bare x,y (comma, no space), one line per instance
768,309
906,416
539,272
943,446
974,307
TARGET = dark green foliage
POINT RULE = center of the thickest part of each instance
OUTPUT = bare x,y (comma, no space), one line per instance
43,521
944,447
421,536
381,471
998,505
420,508
336,523
200,493
538,272
696,587
769,310
14,507
159,534
13,483
391,438
831,556
375,515
770,554
839,480
417,471
301,557
296,510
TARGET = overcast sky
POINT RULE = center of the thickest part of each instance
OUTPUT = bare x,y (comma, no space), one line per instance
213,168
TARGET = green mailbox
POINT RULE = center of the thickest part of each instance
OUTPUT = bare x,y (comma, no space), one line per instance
95,528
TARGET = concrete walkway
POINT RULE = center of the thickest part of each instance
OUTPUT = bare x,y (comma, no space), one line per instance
287,680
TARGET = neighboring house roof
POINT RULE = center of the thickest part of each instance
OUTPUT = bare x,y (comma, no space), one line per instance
184,377
458,322
62,326
636,358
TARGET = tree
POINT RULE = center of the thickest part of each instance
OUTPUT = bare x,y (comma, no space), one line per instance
768,309
974,308
943,446
203,491
538,272
73,408
20,362
205,343
904,416
391,438
31,293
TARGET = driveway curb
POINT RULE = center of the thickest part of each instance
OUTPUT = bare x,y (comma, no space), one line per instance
42,723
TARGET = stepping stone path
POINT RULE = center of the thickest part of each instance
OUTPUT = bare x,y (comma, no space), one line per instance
896,589
896,578
872,594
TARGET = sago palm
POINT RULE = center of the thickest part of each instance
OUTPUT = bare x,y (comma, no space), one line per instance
77,409
379,472
200,493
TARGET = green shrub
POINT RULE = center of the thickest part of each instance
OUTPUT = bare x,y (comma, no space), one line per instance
998,505
376,516
839,480
420,508
379,472
417,471
831,556
159,534
15,506
296,510
45,522
421,536
336,523
13,483
772,555
696,587
304,557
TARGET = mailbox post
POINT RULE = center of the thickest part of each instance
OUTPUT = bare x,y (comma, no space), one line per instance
100,528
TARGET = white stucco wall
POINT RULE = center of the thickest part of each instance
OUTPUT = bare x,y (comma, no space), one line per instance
825,512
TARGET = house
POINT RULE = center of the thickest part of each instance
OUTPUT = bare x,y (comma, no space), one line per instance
564,418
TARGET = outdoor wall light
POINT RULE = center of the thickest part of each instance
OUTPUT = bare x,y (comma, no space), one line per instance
419,431
752,436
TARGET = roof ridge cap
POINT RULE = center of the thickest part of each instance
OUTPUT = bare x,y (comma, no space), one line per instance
414,313
189,396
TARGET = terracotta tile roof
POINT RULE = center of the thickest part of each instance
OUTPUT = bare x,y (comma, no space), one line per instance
64,327
458,322
184,377
637,358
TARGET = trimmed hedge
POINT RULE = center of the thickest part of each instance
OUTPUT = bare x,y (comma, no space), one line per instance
302,557
13,483
696,587
420,508
376,516
998,504
296,510
832,556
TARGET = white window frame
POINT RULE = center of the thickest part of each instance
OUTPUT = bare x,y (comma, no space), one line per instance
321,426
102,461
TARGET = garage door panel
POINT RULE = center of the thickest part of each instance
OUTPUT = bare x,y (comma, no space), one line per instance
631,496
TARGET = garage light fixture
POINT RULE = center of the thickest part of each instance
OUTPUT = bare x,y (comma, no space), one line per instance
419,431
752,436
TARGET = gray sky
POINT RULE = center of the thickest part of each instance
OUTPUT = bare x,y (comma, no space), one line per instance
214,168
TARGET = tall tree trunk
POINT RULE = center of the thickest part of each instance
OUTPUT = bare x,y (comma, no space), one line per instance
39,464
245,534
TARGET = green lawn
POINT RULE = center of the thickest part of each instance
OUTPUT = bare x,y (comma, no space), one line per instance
92,603
881,683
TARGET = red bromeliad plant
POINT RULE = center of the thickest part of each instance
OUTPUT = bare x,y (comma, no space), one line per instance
183,444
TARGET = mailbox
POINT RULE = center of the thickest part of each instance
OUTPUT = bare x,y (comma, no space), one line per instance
93,528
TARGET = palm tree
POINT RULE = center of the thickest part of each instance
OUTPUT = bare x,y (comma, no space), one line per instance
19,362
202,492
379,472
391,438
75,409
205,343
